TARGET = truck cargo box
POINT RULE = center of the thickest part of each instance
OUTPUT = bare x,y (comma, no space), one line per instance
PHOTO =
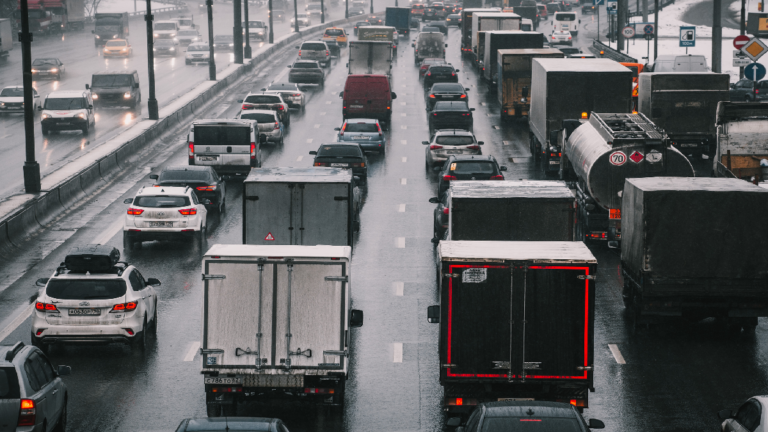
370,57
488,21
498,40
742,141
514,75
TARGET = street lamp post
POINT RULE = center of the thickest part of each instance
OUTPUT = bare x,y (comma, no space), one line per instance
247,53
151,101
295,17
371,6
346,9
322,12
238,30
31,167
211,61
271,33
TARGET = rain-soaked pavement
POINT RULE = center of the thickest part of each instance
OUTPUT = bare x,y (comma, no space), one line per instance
672,377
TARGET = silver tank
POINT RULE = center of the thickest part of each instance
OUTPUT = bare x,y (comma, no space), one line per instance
610,148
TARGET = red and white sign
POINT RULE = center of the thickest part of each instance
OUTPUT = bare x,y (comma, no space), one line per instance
269,237
636,157
739,41
618,158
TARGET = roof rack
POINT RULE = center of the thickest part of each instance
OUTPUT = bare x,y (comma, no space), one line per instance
13,351
622,128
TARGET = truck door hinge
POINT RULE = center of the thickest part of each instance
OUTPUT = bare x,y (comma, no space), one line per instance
500,364
586,277
340,198
449,365
531,365
453,275
584,368
337,278
252,198
209,277
344,353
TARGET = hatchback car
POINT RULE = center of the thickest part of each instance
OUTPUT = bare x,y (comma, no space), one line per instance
267,100
447,142
453,20
117,48
268,122
440,74
304,20
451,115
360,24
547,416
554,7
748,417
306,72
33,393
187,37
232,424
356,10
445,92
165,48
12,100
442,26
95,299
197,53
47,67
224,42
336,33
291,93
749,91
208,186
561,37
257,30
365,132
343,155
164,213
315,50
466,167
588,9
279,15
427,62
543,13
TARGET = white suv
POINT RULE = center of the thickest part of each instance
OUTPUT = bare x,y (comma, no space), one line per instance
113,305
197,52
164,213
67,110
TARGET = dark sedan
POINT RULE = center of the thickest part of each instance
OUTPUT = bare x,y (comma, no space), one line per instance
343,155
445,92
207,184
451,115
440,224
224,42
510,415
306,72
244,424
453,20
749,91
464,167
360,24
427,62
440,74
47,68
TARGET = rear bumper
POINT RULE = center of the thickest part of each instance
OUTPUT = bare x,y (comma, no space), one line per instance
87,334
472,394
150,234
197,59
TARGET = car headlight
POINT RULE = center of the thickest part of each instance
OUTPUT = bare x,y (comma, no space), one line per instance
173,49
231,44
34,70
45,116
127,95
54,70
115,36
106,50
95,96
2,103
154,49
173,34
157,35
124,49
81,115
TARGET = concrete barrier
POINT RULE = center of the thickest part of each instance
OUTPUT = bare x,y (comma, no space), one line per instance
90,179
48,207
6,247
108,166
71,192
23,224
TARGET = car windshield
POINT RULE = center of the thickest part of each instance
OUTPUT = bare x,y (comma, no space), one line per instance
111,81
339,151
185,22
223,38
41,62
9,383
451,106
302,16
257,24
117,43
259,117
184,175
165,43
12,92
91,289
188,33
361,127
198,48
165,26
222,135
262,99
504,424
473,167
363,23
314,6
313,46
447,88
305,66
334,32
565,17
279,12
454,140
441,69
64,103
160,201
430,29
284,87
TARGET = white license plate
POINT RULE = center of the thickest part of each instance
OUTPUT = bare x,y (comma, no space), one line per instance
452,151
84,312
225,381
356,106
161,224
208,158
554,162
360,137
341,165
515,399
688,145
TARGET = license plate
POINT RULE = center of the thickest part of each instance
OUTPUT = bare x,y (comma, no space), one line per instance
208,158
43,73
342,165
688,145
224,381
84,312
360,137
554,162
515,399
356,106
452,151
160,224
62,123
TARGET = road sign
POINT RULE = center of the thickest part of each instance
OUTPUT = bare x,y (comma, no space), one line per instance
617,158
754,72
739,41
611,6
628,31
754,49
648,29
687,36
598,2
648,37
269,237
741,61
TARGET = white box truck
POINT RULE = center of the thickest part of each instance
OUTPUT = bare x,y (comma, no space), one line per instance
6,38
370,57
276,324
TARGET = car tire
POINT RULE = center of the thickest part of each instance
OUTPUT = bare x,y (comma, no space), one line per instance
86,129
128,243
200,237
45,131
61,424
39,344
222,207
154,321
140,341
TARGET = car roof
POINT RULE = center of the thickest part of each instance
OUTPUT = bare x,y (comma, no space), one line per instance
14,87
453,132
265,93
361,120
46,58
164,190
258,111
283,85
340,144
67,94
187,168
230,424
306,61
123,72
528,408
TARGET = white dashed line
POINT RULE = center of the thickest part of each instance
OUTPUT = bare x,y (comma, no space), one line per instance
322,113
405,159
400,242
403,181
309,140
404,86
482,103
616,354
298,159
402,103
401,208
327,102
496,127
317,126
19,320
403,115
506,142
399,287
192,352
404,127
404,142
398,351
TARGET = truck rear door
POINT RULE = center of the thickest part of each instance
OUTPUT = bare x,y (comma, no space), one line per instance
323,217
267,215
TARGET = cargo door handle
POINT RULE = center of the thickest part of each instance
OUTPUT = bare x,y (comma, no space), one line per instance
209,277
586,277
337,278
55,391
252,198
340,198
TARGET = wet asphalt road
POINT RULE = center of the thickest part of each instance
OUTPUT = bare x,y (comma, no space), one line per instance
674,377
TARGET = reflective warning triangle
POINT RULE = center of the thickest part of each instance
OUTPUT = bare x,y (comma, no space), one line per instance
269,237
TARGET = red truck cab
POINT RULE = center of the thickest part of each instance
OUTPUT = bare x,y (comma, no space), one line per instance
39,18
368,96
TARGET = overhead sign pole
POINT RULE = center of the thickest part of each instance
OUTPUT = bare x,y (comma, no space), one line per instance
717,36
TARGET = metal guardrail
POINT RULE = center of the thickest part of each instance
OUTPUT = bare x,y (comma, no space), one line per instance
662,5
602,50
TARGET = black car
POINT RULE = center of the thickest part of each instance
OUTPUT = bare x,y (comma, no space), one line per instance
279,15
47,67
361,24
468,167
343,155
445,92
441,25
588,8
566,49
429,14
203,179
224,42
440,223
509,415
306,72
440,74
749,91
450,115
222,424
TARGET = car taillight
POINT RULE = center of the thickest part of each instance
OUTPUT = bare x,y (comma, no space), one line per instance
134,211
432,96
191,149
435,147
449,177
206,188
124,307
46,307
453,74
327,53
246,107
297,94
280,108
446,211
320,164
299,53
474,147
188,212
358,165
27,413
429,74
277,125
757,91
465,115
497,177
253,150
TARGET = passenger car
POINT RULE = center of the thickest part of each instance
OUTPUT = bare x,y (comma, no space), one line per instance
442,26
279,15
588,9
554,7
257,30
365,132
752,416
343,155
338,34
12,100
47,67
232,424
360,24
316,9
440,74
269,122
446,142
306,72
67,110
290,92
269,101
187,37
453,20
203,179
356,10
450,115
197,53
164,213
116,88
165,48
117,48
508,415
231,147
467,167
315,50
224,42
304,20
33,393
427,62
103,301
543,12
749,91
445,92
561,37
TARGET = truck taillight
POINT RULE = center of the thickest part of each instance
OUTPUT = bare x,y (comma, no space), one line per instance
27,413
191,149
446,210
460,401
358,165
253,150
134,211
614,214
449,177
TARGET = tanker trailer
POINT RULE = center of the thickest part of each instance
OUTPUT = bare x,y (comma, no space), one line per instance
600,154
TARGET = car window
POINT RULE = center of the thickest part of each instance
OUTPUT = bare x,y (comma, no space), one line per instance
165,42
194,198
111,80
184,175
454,140
475,417
441,69
262,99
161,201
9,383
12,92
306,66
41,62
82,289
548,424
198,48
117,43
313,46
137,283
339,150
744,84
32,376
749,415
334,32
449,106
473,167
188,33
45,366
64,103
217,135
361,127
260,118
37,368
448,88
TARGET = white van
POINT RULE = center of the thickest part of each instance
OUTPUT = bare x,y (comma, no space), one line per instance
67,110
229,146
566,21
166,29
526,25
680,63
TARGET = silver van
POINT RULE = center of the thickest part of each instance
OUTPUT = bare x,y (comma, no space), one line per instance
229,146
315,50
680,63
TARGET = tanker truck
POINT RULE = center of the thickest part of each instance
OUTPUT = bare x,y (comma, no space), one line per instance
600,154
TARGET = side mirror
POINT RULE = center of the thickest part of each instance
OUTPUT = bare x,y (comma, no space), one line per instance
337,128
471,109
502,168
39,108
355,318
153,282
596,424
62,370
154,176
312,152
87,87
289,66
90,107
446,45
457,70
434,200
579,21
425,142
136,85
394,95
413,45
437,169
466,89
725,414
93,31
480,142
590,207
341,94
453,422
297,47
433,314
41,282
525,92
128,201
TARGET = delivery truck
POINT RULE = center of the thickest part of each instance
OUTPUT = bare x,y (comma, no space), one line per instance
466,26
516,322
514,79
276,325
692,248
571,89
370,57
742,142
380,34
684,104
300,206
6,38
110,26
488,21
499,40
428,45
399,18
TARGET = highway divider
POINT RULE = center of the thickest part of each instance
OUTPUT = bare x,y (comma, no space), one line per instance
23,215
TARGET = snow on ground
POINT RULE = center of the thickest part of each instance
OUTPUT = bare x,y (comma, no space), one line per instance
116,6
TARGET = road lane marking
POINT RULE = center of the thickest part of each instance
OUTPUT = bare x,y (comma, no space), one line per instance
317,126
404,142
400,242
401,209
616,354
192,352
399,287
506,142
404,86
110,232
496,127
322,113
404,127
398,358
309,141
405,159
403,181
403,115
402,103
482,103
298,159
327,102
17,322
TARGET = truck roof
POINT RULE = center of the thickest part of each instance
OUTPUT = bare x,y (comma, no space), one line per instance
581,65
536,251
510,189
619,128
302,175
529,51
282,251
496,14
709,184
730,111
